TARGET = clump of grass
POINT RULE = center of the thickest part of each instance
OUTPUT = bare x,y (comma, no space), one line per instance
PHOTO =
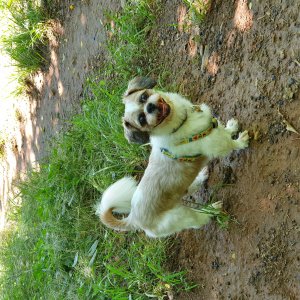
25,40
18,115
57,248
198,9
2,146
128,32
222,217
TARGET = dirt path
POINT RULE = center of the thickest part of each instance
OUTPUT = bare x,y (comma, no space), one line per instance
244,61
75,49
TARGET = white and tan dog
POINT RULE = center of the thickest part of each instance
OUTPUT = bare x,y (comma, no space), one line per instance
183,138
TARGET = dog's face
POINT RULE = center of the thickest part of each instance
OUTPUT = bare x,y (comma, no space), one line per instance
146,110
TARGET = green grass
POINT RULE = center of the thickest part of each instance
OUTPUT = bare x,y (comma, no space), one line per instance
2,146
198,9
221,217
25,38
128,33
57,247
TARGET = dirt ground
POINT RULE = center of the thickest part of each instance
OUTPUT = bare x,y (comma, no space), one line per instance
244,61
250,71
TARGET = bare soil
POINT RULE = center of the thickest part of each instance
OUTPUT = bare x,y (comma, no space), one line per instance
251,72
244,61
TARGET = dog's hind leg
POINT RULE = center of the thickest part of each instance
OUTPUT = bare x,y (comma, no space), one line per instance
177,219
199,180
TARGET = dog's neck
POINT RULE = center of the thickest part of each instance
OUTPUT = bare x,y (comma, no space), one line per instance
194,108
181,123
191,120
166,139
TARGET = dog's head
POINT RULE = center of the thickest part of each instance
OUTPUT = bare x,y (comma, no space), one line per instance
146,110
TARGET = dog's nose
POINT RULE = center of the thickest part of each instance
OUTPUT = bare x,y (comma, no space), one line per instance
150,108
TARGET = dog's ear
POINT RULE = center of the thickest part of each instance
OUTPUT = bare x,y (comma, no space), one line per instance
140,83
134,135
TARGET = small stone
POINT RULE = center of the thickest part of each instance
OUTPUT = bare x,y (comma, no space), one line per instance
256,135
215,264
291,81
272,181
290,95
294,154
280,103
281,55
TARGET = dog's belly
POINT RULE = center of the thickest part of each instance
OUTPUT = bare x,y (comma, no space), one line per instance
162,187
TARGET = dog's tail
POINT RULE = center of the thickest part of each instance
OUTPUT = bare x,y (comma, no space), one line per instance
117,198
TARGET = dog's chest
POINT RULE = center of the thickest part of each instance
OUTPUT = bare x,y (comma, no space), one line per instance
189,140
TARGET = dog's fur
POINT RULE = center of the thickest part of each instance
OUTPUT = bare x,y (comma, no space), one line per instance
155,204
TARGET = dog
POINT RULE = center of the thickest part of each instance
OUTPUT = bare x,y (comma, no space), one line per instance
183,137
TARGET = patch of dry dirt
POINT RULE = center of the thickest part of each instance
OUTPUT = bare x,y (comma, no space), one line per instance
244,61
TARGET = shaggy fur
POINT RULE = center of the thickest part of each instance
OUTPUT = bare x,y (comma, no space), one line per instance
155,204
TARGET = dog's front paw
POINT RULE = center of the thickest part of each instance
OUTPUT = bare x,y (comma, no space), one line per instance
243,140
232,126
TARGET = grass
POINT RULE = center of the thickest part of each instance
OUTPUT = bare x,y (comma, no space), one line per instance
198,9
222,217
125,42
25,39
2,146
57,248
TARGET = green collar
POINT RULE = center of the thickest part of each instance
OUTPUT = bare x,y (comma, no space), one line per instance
179,158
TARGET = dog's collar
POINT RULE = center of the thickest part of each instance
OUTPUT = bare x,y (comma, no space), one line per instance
195,137
199,135
187,158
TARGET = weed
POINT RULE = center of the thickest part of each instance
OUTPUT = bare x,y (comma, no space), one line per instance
2,146
222,217
18,115
198,9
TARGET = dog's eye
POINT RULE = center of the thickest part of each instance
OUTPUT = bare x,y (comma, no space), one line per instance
142,119
144,97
